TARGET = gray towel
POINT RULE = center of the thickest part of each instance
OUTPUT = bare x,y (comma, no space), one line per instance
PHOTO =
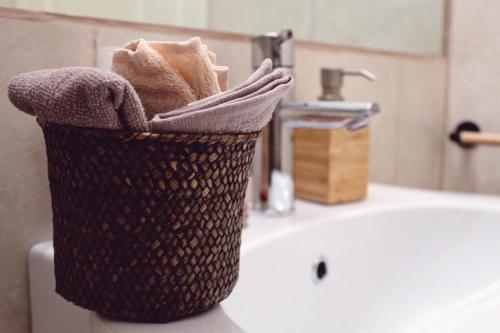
245,108
79,96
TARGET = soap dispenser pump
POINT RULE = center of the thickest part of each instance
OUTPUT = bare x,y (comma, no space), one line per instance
332,80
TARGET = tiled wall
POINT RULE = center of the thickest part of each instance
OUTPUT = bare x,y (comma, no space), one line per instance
25,216
407,135
474,93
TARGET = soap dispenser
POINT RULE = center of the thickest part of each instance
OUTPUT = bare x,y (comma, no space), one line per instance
332,165
332,80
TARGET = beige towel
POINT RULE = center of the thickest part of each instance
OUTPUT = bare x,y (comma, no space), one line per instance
79,96
168,75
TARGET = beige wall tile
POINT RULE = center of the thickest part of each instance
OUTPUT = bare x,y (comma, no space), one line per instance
25,213
420,137
384,91
474,87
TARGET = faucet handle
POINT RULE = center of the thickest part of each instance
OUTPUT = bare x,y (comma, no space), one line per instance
332,80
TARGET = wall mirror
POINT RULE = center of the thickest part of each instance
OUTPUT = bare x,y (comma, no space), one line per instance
405,26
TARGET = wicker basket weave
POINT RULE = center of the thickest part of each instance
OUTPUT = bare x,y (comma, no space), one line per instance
147,227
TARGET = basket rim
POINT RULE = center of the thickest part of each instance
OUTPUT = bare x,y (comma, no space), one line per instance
130,135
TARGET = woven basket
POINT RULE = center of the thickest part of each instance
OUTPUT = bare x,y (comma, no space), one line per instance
147,227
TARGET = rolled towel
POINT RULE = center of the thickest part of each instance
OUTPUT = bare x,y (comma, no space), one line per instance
246,108
79,96
169,75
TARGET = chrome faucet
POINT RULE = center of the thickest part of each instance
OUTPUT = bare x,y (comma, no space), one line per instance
273,166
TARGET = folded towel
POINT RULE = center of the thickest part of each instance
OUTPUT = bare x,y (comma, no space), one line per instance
246,108
260,76
79,96
169,75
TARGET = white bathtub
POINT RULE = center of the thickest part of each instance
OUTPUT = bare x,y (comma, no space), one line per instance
401,261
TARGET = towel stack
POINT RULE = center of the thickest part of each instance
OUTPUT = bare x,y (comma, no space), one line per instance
156,86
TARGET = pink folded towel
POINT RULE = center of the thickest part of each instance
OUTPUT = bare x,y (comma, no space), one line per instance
79,96
169,75
246,108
